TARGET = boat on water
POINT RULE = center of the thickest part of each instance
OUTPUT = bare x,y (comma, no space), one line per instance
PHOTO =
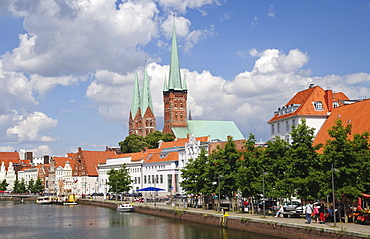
44,200
125,207
70,200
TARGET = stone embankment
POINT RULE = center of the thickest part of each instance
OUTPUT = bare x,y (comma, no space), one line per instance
269,225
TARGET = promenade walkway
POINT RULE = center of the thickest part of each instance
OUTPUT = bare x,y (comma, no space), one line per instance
296,221
347,228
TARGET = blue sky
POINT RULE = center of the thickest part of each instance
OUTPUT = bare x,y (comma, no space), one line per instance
67,67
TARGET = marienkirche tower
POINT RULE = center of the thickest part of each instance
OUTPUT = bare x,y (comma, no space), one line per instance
174,93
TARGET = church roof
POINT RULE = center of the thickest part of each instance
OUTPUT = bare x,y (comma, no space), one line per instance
174,81
146,100
135,103
216,130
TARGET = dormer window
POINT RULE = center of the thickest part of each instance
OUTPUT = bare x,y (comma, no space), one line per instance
318,106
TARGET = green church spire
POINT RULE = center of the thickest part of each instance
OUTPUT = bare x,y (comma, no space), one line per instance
174,81
146,101
135,103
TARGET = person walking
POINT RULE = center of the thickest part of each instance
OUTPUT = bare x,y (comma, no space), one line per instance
309,210
322,213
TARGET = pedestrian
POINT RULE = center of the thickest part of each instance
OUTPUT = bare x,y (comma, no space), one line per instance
309,211
316,213
322,213
281,210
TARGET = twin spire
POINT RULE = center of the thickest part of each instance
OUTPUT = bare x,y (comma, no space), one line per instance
141,101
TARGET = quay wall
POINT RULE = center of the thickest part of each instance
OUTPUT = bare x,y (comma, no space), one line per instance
260,226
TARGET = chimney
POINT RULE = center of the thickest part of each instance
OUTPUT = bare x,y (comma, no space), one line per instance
329,99
46,159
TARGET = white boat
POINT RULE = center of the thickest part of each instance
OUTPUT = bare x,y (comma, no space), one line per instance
125,207
44,200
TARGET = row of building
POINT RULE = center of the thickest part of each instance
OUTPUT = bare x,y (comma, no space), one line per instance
85,172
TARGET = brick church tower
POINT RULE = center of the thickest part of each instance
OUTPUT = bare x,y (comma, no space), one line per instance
174,93
142,119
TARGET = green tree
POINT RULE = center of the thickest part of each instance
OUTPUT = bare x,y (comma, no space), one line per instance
30,186
223,169
153,138
349,157
133,143
302,171
3,185
249,181
19,186
119,180
276,162
38,187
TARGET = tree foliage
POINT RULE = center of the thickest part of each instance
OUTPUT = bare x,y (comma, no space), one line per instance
3,185
119,180
136,143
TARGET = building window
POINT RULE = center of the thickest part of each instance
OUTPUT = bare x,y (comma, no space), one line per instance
318,105
293,121
335,104
145,179
278,128
287,125
161,178
272,129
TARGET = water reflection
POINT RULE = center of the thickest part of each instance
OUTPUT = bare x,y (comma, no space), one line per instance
30,220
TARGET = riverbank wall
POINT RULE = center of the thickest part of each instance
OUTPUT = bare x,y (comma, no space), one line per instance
241,222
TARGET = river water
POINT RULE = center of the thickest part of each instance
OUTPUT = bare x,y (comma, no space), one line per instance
30,220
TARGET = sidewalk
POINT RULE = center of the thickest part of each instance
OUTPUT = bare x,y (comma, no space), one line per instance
354,229
296,222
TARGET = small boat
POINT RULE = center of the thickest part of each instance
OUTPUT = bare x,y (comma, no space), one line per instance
44,200
125,207
70,200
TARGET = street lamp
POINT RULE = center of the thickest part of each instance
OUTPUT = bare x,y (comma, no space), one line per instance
332,184
263,192
219,192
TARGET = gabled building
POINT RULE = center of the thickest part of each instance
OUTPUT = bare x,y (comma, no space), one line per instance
314,104
356,114
142,120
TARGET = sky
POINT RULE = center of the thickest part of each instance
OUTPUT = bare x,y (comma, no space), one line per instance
67,67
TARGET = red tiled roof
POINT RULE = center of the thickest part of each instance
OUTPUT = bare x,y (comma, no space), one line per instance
93,158
305,99
357,114
8,157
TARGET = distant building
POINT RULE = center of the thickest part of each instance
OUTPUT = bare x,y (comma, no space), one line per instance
142,120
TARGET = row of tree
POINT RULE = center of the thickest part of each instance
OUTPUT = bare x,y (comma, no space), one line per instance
136,143
284,170
22,187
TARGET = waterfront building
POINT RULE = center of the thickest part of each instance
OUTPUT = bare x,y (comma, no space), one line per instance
356,114
314,104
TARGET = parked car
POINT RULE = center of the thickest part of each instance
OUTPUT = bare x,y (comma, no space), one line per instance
270,205
293,206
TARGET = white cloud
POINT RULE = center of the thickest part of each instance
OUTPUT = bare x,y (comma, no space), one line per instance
41,150
182,5
28,128
271,12
254,22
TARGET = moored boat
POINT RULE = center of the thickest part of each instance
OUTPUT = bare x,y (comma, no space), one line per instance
44,200
125,207
71,200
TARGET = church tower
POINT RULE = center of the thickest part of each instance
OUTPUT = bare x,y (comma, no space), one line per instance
174,93
142,119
